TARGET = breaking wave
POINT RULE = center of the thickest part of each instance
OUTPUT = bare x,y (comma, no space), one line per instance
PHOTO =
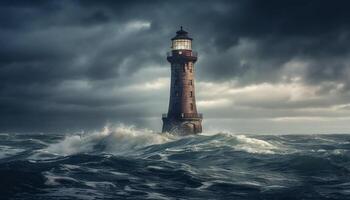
127,140
119,140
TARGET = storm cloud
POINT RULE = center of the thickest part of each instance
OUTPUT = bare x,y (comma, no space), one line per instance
264,66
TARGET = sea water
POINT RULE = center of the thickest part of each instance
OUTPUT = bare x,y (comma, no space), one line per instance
128,163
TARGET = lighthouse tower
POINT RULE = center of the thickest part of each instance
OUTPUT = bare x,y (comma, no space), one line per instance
182,117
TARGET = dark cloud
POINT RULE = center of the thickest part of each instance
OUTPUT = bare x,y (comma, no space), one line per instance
67,65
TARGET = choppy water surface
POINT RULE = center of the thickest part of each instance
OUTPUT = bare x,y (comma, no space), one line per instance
125,163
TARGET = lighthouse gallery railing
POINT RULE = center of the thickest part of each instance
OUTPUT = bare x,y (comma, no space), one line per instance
185,115
183,53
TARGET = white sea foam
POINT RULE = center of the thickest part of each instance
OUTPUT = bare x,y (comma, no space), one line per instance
115,140
339,151
102,184
155,195
240,143
205,185
71,167
237,142
52,179
253,145
7,151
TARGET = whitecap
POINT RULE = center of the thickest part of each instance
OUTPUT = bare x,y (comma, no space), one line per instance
53,180
155,195
240,143
7,151
102,184
205,185
120,140
155,167
253,145
71,167
339,151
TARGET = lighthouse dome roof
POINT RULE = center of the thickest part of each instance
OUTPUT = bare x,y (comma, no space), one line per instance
181,34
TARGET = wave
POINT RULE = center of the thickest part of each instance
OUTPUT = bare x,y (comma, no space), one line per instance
251,145
128,140
119,140
8,151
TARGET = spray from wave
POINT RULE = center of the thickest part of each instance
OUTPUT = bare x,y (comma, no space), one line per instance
117,140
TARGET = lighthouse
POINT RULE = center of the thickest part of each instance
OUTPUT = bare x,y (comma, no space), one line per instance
182,117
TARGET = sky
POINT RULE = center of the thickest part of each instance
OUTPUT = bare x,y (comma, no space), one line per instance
264,67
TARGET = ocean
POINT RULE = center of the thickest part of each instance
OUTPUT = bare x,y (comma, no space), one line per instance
128,163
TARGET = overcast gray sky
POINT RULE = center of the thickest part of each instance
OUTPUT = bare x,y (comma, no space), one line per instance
264,66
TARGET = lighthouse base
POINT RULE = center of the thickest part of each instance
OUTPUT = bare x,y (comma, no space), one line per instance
182,126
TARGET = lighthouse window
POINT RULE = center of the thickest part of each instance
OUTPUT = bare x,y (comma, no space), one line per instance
191,105
181,44
190,82
191,94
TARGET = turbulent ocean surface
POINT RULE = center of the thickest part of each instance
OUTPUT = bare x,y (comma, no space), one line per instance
126,163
